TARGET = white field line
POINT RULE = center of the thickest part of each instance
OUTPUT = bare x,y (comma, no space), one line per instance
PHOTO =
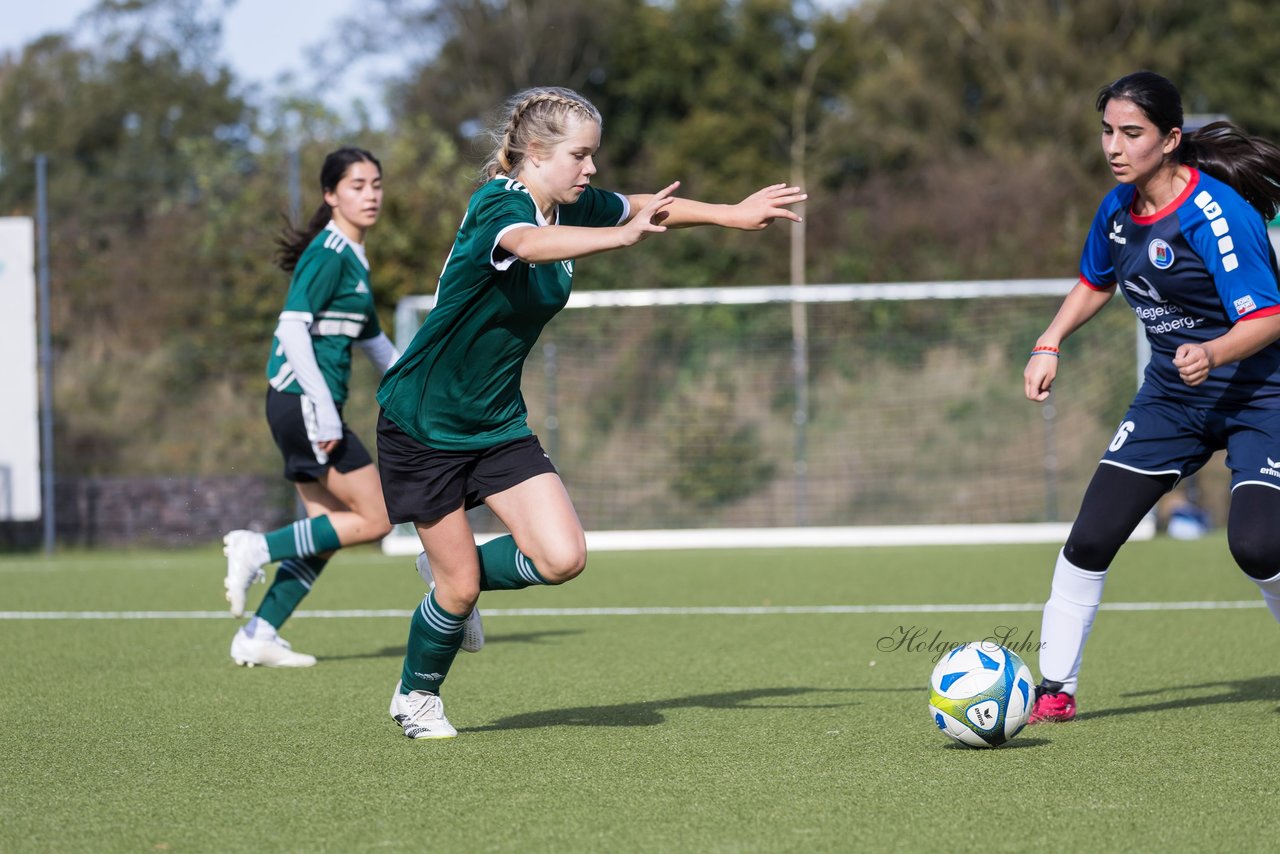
674,611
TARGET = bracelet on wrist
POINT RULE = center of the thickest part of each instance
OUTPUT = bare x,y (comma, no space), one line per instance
1045,351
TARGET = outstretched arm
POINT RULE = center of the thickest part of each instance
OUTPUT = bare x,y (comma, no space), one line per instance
651,214
753,213
552,243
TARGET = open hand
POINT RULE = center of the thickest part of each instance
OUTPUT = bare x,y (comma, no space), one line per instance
650,218
763,206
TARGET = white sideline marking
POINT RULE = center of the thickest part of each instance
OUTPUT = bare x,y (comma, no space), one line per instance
401,544
676,611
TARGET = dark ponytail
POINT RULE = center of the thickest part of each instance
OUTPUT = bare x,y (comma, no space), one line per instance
1250,165
292,242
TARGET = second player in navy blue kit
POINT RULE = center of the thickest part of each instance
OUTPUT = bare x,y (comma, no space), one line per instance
1184,239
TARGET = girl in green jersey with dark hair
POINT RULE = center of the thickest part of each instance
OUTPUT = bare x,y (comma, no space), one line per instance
453,432
329,310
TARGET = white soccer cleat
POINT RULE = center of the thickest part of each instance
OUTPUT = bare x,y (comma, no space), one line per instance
266,650
246,552
473,628
421,714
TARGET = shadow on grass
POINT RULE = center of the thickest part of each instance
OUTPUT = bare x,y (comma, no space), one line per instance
650,712
529,637
1232,691
1016,744
490,640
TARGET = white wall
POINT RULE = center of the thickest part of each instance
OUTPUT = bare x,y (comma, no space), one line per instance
19,395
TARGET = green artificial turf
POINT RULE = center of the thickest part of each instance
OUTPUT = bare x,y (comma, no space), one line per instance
635,731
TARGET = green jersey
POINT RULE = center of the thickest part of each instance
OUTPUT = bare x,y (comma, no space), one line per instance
457,386
330,293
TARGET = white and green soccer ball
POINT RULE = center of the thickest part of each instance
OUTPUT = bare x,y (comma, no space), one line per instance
981,694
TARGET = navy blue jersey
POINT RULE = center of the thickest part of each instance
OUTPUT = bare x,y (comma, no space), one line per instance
1190,271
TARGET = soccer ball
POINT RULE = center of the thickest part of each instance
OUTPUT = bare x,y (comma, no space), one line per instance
981,694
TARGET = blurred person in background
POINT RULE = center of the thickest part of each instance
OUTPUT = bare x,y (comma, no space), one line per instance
329,310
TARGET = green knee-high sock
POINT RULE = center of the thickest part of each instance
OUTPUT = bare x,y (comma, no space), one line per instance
303,538
434,638
504,567
294,577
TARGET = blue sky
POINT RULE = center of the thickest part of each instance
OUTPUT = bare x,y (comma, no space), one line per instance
262,39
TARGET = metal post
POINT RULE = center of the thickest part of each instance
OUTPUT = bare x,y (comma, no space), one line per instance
800,414
294,179
799,309
1142,348
1050,413
293,158
46,355
295,185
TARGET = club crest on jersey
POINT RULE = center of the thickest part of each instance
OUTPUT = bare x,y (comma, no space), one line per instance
1160,253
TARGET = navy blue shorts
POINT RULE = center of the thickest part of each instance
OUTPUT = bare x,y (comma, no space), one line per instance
1161,437
287,418
422,484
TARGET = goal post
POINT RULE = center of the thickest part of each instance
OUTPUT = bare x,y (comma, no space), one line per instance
817,415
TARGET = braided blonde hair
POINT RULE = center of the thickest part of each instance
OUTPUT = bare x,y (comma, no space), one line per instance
539,117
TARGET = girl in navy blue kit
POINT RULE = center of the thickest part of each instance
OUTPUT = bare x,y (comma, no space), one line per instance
1184,239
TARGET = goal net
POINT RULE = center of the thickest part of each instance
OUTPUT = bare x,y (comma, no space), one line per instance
714,414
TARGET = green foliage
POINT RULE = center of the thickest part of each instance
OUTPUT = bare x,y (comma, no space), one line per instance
427,187
658,732
939,139
718,456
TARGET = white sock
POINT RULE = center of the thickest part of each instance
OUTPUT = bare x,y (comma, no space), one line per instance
1270,588
1068,616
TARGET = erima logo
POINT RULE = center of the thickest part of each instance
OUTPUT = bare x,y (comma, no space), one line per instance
1271,469
1116,228
431,676
984,715
568,266
1147,289
362,288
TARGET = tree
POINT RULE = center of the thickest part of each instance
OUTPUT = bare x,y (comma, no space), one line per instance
125,128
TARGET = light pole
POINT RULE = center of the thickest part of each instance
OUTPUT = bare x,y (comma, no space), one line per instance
799,309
